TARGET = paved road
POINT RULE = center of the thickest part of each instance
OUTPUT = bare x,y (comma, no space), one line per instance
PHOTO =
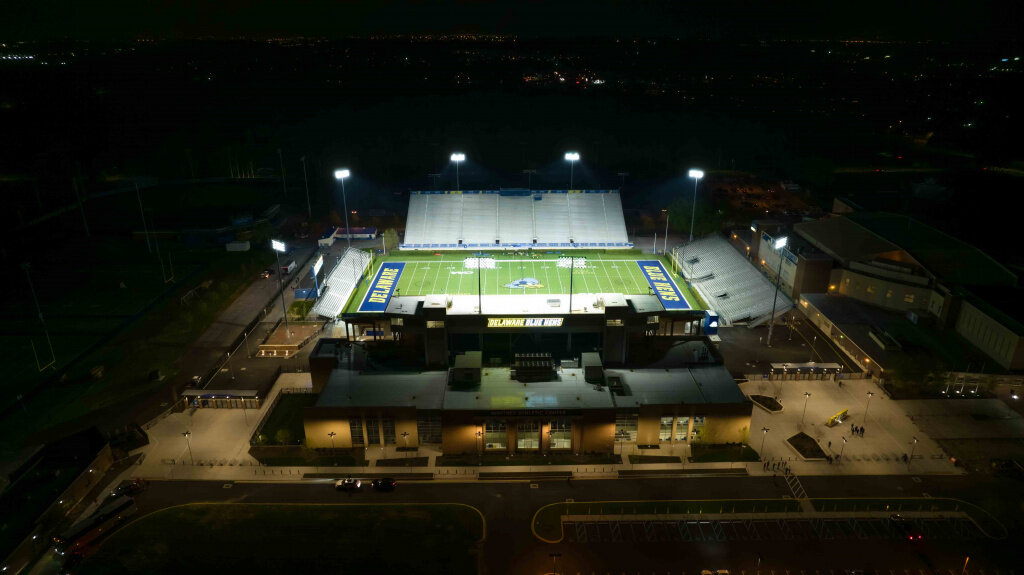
512,548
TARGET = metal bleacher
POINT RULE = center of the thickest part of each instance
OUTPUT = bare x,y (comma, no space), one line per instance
515,219
340,282
729,284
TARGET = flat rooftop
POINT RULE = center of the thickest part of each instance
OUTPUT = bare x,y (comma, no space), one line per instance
695,385
498,391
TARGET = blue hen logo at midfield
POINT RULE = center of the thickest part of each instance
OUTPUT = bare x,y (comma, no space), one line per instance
529,283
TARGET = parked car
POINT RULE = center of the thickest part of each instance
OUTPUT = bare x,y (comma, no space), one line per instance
130,488
348,484
384,484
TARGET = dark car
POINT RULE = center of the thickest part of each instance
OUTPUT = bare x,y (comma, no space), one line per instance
907,529
131,488
267,273
384,484
348,484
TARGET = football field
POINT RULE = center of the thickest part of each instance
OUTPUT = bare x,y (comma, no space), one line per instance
455,274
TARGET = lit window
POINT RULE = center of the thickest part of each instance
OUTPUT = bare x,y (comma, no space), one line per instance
494,434
653,319
528,435
681,424
397,321
909,298
561,434
613,323
888,293
435,324
870,288
665,433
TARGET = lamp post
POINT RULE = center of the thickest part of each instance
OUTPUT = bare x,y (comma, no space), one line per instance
405,438
188,440
279,247
867,405
696,175
764,435
572,158
230,368
341,175
913,446
807,395
480,451
779,244
841,450
331,435
458,158
305,177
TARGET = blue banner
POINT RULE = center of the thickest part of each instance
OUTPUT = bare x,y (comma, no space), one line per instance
382,287
661,282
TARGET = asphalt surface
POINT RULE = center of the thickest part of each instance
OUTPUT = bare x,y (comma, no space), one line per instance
511,547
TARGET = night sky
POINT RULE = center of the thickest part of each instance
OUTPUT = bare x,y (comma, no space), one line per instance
998,20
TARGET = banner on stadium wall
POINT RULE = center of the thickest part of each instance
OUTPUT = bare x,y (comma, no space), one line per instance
382,287
662,284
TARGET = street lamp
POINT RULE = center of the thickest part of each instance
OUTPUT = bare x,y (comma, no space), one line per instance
779,244
480,451
572,158
331,435
913,447
842,449
696,175
341,175
188,440
278,247
764,435
405,438
867,405
458,158
807,395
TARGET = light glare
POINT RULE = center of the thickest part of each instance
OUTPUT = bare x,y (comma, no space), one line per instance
457,157
341,174
277,245
781,242
572,156
698,174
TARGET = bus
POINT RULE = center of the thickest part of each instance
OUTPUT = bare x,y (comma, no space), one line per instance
98,524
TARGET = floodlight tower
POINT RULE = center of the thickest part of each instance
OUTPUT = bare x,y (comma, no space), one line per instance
696,175
779,244
279,247
458,158
341,175
572,158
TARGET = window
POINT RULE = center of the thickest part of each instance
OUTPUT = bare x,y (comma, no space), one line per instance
397,321
528,435
434,324
698,428
428,426
871,288
653,319
613,323
846,281
494,434
681,424
888,293
561,434
665,433
372,431
909,298
625,426
388,423
355,426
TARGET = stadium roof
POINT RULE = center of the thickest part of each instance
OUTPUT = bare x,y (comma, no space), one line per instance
866,236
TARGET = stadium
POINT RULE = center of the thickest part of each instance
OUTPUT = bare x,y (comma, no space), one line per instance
518,321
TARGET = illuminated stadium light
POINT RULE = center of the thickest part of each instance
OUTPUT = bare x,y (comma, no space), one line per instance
572,156
781,242
277,245
696,174
341,174
458,157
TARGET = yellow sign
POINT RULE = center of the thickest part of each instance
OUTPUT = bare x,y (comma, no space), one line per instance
836,419
524,322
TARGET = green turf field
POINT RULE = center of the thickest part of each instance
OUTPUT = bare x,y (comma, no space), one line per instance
447,273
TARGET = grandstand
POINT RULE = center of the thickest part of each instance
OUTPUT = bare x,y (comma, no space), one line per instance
341,281
728,283
515,219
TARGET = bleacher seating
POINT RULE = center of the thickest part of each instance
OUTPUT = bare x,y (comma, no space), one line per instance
340,282
515,219
729,284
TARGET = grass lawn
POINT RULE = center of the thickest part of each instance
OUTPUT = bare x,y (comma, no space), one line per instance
284,426
254,538
525,459
704,453
547,523
446,273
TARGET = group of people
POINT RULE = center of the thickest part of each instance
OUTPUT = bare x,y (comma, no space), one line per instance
858,431
777,466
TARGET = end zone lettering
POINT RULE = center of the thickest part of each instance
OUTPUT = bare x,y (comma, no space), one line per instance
524,322
382,287
667,291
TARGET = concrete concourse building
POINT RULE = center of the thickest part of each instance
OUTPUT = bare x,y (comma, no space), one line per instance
688,396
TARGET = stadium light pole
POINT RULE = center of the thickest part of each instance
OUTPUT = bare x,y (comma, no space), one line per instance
529,178
572,158
279,247
458,158
779,244
305,176
696,175
341,175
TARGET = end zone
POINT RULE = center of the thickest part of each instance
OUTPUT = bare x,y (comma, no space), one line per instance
382,287
664,286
